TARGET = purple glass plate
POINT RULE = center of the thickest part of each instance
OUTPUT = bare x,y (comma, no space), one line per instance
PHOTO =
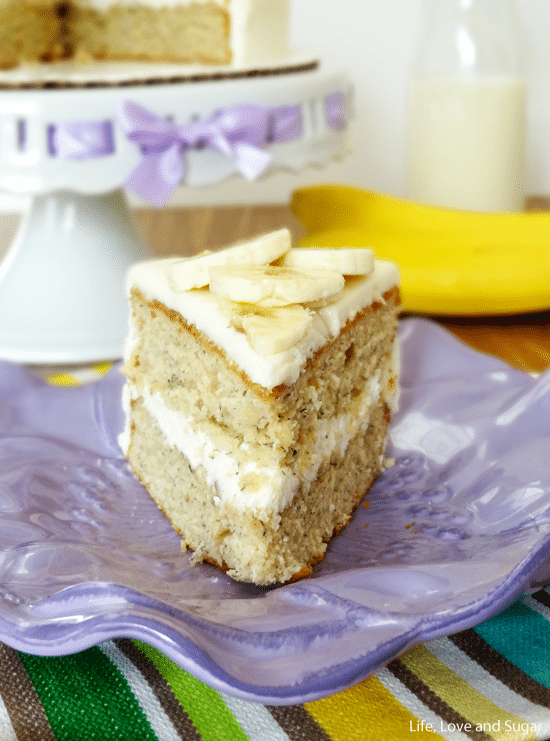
447,537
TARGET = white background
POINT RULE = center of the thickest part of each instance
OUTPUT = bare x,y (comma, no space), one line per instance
373,41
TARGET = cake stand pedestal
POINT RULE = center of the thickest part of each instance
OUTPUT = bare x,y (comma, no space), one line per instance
61,284
62,297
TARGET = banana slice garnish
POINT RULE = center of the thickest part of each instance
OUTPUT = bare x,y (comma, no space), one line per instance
269,285
270,330
192,272
345,260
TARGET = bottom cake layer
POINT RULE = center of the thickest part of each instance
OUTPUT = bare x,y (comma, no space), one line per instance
247,547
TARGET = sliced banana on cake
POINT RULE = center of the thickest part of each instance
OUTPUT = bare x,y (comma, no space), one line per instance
192,272
344,260
269,285
271,330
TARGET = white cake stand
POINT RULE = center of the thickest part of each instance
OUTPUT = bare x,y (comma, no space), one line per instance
62,297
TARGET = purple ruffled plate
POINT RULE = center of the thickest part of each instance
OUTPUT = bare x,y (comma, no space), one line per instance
448,536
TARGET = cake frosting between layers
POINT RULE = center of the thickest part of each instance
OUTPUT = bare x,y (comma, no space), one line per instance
275,487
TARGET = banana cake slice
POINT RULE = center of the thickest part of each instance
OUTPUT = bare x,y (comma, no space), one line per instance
260,383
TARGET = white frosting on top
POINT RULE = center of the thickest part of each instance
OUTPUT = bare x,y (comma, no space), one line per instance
207,313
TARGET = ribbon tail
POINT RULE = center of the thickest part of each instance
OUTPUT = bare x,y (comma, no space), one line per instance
251,161
157,175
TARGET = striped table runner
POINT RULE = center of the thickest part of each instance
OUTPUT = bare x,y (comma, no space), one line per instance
489,682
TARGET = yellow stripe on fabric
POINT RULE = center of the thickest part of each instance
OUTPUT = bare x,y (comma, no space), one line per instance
78,376
367,710
103,368
457,693
62,379
209,713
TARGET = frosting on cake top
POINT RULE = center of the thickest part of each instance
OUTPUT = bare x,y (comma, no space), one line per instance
287,310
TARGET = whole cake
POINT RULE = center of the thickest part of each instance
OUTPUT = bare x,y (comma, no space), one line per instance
260,383
185,31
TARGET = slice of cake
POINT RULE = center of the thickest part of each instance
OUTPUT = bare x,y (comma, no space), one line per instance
186,31
260,382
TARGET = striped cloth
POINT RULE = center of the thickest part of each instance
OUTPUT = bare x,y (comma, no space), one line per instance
489,682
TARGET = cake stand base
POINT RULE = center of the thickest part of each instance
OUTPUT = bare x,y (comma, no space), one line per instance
60,283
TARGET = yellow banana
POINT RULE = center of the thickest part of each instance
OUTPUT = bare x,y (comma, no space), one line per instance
451,262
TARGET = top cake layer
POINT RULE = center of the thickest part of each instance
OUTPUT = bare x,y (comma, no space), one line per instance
270,339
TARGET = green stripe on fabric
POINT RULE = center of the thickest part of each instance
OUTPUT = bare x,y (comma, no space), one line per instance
203,704
522,636
85,697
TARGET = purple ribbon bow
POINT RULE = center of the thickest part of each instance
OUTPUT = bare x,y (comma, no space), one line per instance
239,132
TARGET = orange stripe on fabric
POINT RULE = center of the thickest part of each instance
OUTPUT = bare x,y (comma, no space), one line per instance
367,710
457,693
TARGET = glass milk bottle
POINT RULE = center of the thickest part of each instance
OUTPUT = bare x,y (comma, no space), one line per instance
466,118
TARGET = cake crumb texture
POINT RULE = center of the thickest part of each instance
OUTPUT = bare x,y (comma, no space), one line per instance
29,33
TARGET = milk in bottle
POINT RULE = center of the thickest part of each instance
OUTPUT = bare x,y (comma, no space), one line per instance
466,117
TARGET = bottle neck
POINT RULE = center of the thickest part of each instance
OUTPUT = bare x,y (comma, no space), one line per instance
469,38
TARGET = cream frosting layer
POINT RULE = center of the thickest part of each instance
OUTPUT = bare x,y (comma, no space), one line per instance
207,313
274,488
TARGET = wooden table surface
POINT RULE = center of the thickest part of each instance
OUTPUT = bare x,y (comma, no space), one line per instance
522,340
